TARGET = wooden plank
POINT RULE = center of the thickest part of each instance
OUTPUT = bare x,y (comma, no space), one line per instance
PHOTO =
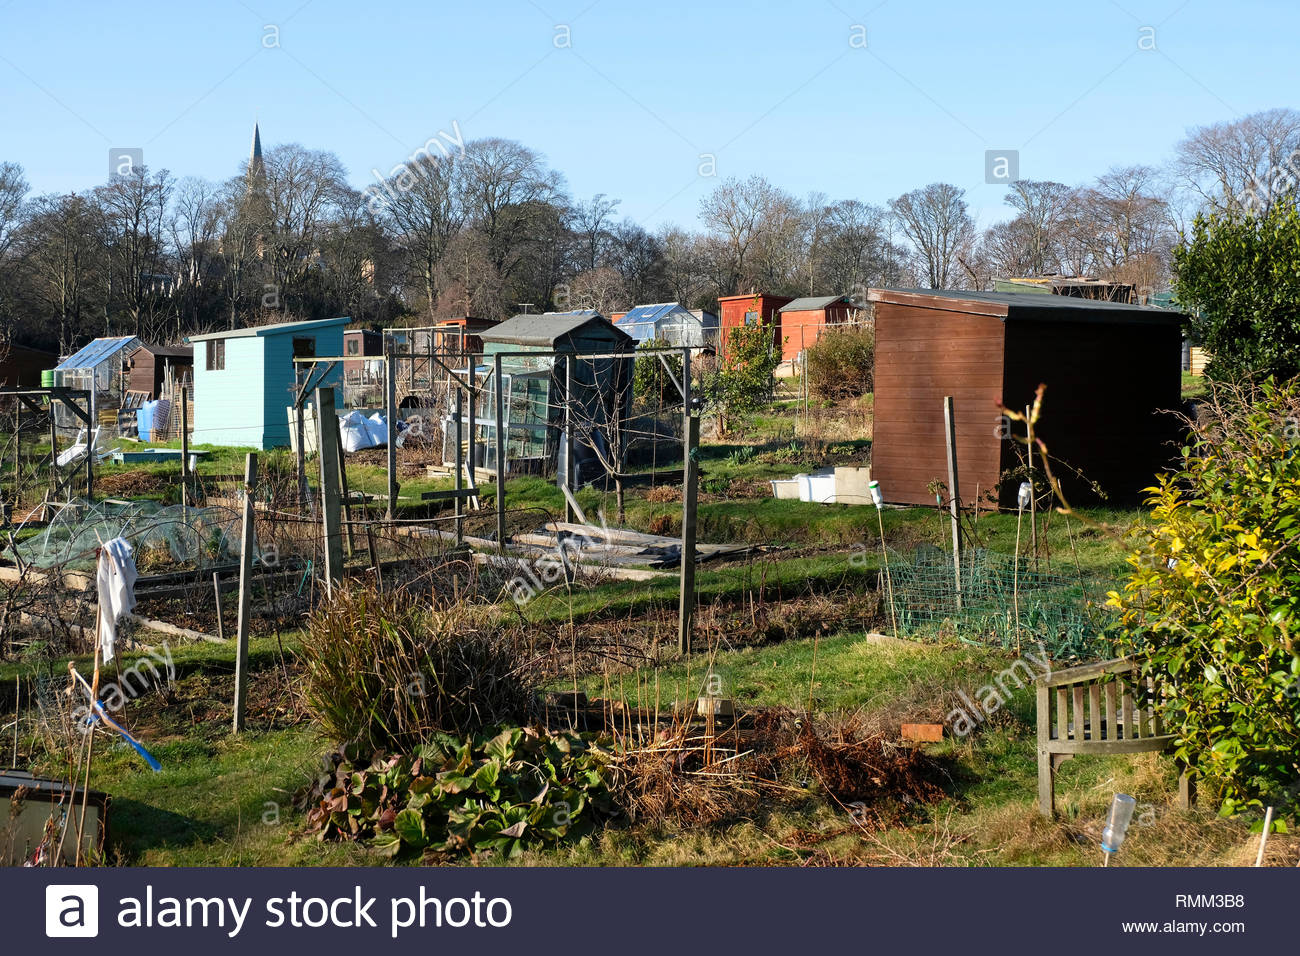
1062,718
1108,689
1094,711
1080,719
1126,696
1156,727
1086,672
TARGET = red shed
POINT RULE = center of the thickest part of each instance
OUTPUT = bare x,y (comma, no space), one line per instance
735,311
1111,371
803,321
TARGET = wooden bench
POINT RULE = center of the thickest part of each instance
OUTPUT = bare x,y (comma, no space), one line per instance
1090,710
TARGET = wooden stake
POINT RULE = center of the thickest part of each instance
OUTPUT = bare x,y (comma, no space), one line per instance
327,456
954,492
690,482
246,539
347,492
460,466
185,449
390,413
216,590
501,445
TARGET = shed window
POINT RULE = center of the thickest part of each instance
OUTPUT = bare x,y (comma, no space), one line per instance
304,347
353,346
751,318
216,355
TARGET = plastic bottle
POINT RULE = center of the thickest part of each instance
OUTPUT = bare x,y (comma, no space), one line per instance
1117,821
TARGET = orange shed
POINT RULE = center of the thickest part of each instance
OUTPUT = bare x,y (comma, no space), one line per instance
759,308
804,320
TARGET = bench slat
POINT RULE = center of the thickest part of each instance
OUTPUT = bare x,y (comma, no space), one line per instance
1080,719
1062,718
1130,727
1094,711
1154,709
1111,727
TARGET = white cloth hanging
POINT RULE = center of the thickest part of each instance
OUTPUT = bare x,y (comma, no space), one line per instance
115,581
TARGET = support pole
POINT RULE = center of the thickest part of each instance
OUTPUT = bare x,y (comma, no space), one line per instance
185,449
390,415
567,477
90,440
686,606
501,457
954,492
460,465
54,452
246,539
327,454
473,428
216,591
300,430
347,492
1033,506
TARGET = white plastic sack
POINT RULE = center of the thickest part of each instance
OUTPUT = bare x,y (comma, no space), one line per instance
354,432
378,429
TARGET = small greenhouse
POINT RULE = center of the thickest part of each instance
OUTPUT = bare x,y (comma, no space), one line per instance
100,367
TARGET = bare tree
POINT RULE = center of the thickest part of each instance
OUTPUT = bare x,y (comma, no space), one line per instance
13,190
936,222
591,228
1042,208
64,252
1245,164
425,205
743,216
134,206
304,189
601,289
195,225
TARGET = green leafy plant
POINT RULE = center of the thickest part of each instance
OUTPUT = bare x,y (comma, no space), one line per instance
1213,602
652,383
743,383
1239,278
497,792
842,364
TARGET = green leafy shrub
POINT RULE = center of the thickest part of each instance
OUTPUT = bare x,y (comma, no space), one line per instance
652,384
743,383
387,672
495,792
1238,277
1213,602
842,364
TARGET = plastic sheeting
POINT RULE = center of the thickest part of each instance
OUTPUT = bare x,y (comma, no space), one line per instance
199,537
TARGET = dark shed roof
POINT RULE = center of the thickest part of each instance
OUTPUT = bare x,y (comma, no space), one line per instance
811,302
1027,306
549,328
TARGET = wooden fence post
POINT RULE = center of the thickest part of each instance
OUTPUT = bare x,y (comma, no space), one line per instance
246,543
327,455
390,413
954,492
502,444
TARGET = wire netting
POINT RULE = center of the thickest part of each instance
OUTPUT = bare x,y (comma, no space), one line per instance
1001,604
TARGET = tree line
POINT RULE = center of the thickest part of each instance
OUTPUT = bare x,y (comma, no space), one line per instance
490,229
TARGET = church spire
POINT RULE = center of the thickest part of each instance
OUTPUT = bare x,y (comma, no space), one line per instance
256,170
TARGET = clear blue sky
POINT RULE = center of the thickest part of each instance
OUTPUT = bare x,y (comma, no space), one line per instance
643,89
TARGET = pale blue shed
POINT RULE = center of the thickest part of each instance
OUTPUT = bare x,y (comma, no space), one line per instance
244,379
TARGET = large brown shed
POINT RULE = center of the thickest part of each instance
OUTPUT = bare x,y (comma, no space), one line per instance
1112,372
148,366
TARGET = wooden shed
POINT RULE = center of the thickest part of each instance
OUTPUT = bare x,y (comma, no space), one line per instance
150,366
21,366
1111,371
757,308
804,320
534,387
245,379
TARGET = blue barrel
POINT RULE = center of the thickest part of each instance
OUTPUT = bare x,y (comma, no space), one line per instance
144,420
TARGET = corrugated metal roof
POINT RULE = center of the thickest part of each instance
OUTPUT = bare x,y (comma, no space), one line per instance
546,329
96,352
810,302
273,329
